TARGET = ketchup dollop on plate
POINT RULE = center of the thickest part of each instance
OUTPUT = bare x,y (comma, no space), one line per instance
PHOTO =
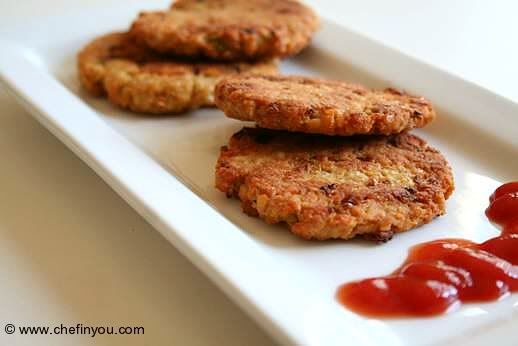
440,275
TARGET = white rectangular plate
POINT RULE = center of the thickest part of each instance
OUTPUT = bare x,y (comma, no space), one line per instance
164,167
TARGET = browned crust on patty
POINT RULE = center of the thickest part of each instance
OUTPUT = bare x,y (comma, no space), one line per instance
133,77
321,106
335,187
93,58
228,29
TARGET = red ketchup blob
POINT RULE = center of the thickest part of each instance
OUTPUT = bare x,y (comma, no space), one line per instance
440,275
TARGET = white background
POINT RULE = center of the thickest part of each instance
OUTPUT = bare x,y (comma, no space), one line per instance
71,251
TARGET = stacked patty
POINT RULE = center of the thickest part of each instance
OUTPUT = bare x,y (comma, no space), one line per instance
331,159
169,61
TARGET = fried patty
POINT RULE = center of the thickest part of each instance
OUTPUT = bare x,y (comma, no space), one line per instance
136,78
228,29
312,105
335,187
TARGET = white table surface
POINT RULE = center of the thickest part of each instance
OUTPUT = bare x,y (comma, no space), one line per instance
72,251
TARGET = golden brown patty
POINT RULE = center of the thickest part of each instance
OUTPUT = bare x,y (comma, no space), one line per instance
228,29
320,106
138,79
335,187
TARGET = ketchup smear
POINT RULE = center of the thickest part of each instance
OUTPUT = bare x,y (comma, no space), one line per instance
439,275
